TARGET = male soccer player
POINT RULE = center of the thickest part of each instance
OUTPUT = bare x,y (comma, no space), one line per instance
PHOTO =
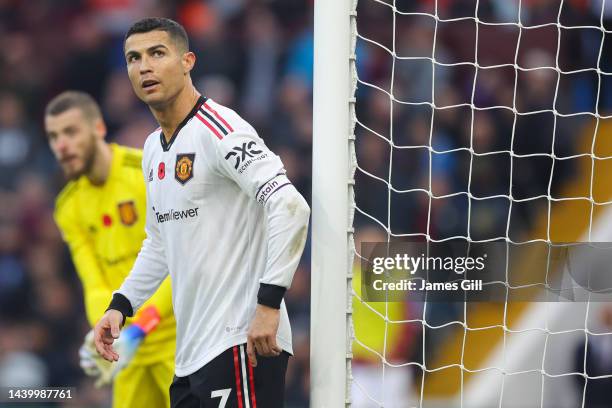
101,215
224,221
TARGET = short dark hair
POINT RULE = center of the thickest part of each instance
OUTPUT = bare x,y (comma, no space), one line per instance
74,99
175,30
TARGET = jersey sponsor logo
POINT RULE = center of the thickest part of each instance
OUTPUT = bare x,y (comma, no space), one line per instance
183,171
245,155
127,213
176,215
161,170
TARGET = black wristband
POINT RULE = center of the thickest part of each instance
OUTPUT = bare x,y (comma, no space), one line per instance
121,304
270,295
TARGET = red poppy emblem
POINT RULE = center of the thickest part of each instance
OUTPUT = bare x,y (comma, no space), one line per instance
107,221
161,170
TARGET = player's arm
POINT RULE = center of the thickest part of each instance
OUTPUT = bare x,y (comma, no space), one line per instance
95,288
152,312
149,270
161,301
287,215
146,276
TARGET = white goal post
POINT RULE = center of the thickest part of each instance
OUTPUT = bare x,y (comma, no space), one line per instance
331,191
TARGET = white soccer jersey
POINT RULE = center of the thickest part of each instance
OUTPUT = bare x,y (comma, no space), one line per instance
226,223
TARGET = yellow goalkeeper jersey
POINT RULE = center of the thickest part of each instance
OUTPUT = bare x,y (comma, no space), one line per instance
103,226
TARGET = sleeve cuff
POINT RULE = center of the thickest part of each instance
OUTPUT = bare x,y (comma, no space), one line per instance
270,295
121,304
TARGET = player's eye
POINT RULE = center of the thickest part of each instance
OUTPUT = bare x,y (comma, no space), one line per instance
131,58
158,53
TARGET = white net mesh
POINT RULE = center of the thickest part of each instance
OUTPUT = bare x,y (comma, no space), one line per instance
481,121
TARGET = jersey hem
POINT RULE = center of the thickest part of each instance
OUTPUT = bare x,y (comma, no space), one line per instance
185,370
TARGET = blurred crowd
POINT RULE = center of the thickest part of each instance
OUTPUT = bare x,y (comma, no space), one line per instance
257,57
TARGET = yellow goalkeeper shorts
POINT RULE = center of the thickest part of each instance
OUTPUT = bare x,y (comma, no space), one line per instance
144,386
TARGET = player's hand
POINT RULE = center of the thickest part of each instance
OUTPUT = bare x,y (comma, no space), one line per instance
261,337
106,332
126,347
127,342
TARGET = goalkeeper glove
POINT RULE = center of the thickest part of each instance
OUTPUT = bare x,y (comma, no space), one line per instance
90,361
128,342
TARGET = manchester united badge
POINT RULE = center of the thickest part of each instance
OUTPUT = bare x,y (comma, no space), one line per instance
183,171
127,212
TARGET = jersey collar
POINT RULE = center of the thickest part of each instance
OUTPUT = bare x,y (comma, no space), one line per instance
162,138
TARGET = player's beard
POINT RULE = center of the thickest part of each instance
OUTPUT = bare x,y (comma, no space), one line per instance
88,158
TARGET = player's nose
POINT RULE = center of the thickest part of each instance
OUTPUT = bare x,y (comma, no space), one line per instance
60,145
145,65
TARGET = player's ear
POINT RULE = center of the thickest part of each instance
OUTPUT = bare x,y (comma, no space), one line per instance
188,61
100,128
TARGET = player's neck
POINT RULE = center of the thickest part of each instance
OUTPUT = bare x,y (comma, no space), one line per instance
101,166
172,114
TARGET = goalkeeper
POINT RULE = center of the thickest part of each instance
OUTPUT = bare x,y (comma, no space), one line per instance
101,214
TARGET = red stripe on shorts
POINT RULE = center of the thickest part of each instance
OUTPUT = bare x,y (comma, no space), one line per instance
252,381
237,373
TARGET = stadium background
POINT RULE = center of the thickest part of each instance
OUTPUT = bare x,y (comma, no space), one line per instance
255,56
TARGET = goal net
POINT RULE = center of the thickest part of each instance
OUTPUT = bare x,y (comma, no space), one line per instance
479,121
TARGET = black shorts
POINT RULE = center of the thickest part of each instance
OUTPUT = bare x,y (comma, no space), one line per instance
229,381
